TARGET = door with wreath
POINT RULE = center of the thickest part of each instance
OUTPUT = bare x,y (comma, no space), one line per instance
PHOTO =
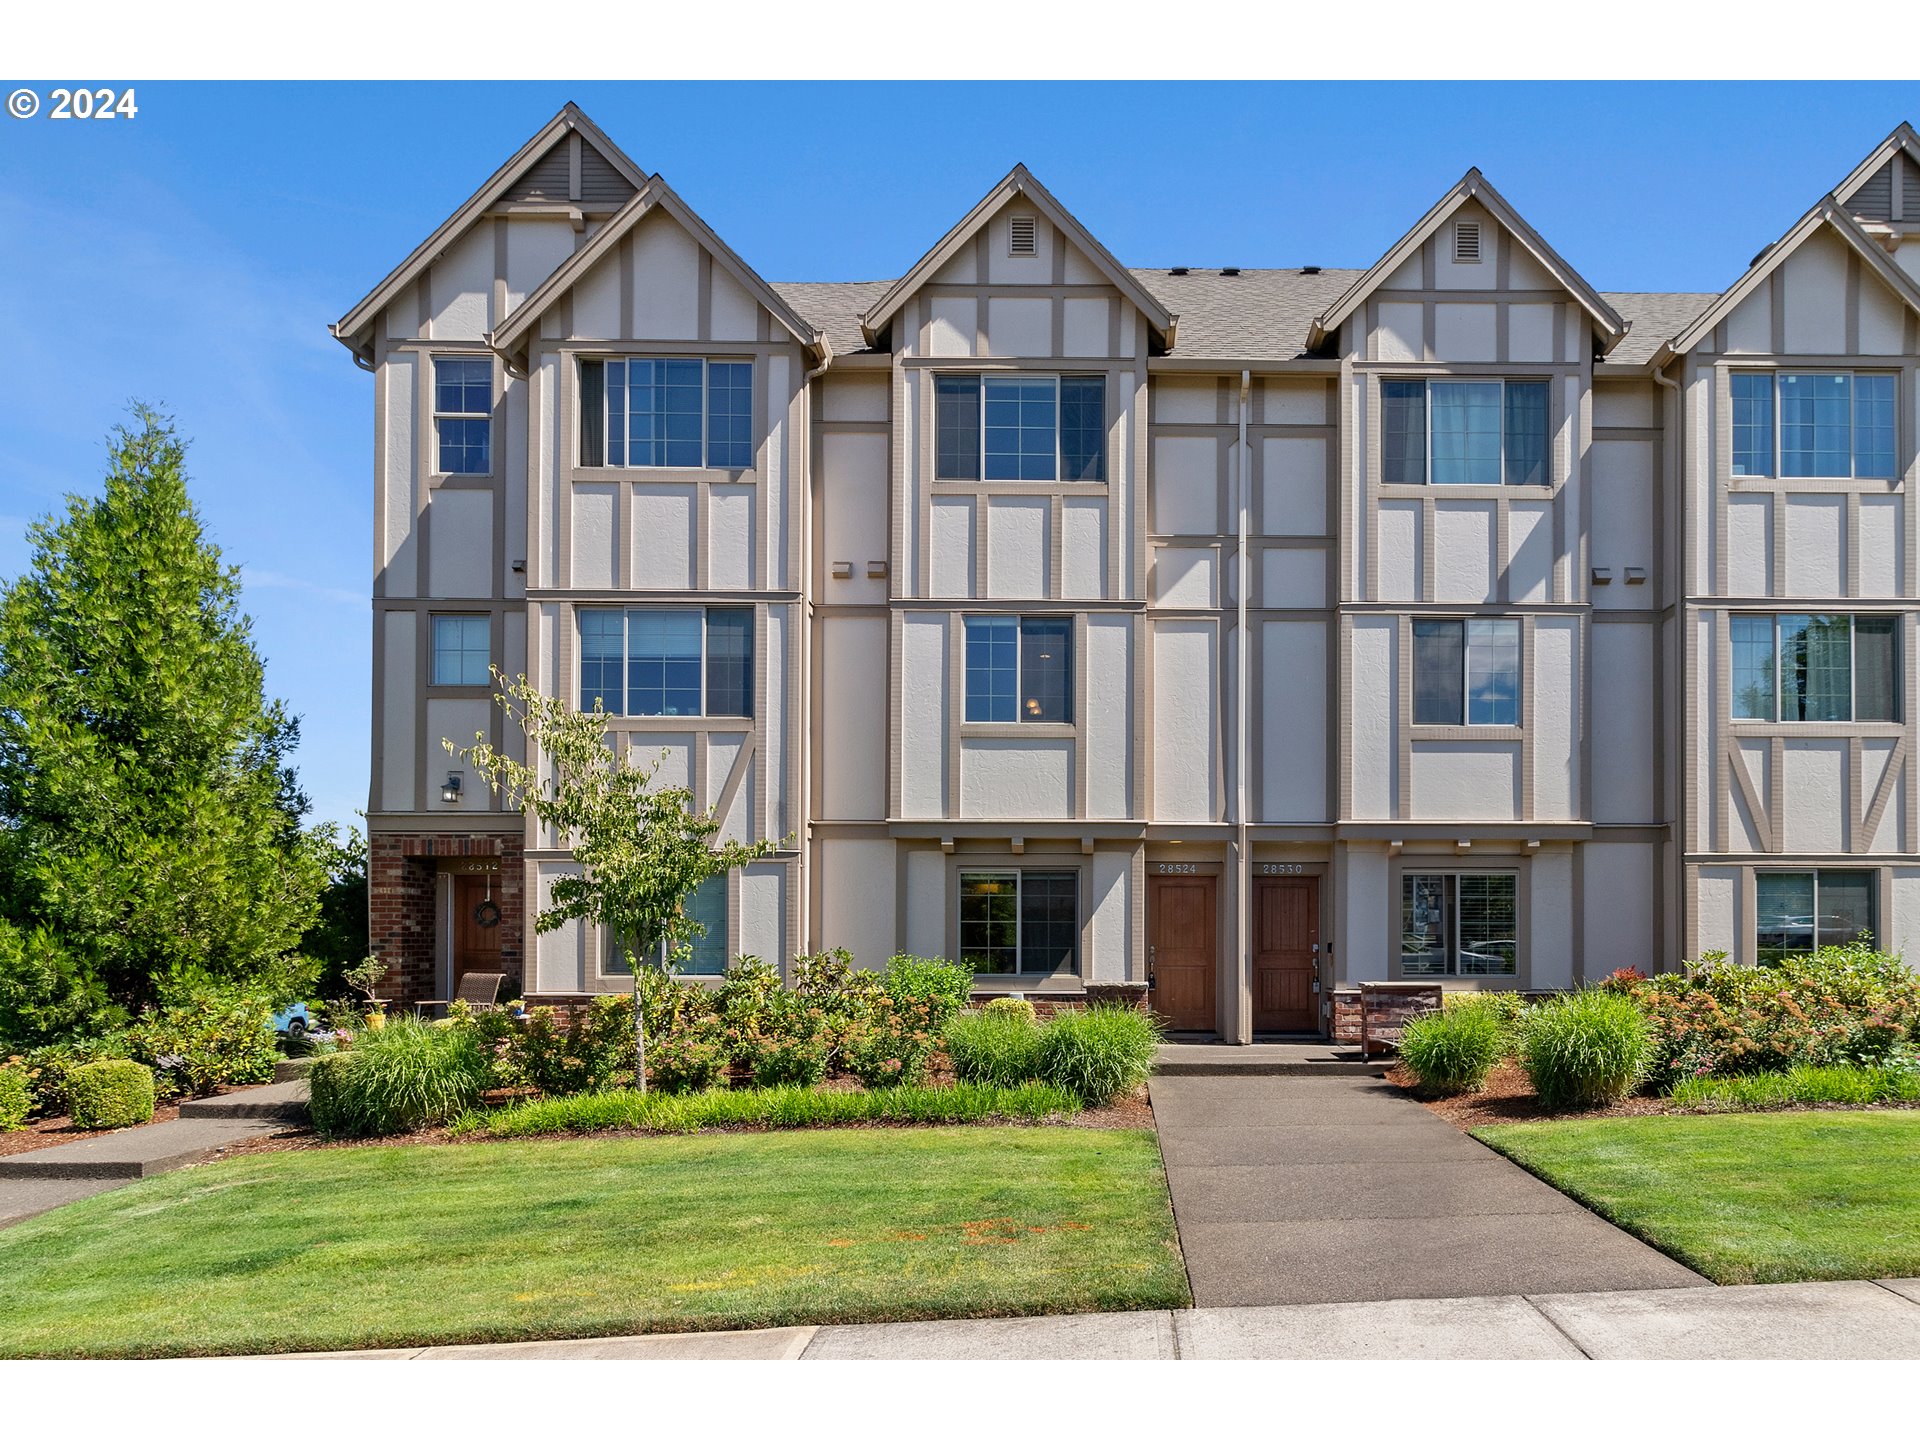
476,926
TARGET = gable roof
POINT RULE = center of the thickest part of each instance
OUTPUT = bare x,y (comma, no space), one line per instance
510,337
1472,186
349,329
1830,211
1902,138
1019,181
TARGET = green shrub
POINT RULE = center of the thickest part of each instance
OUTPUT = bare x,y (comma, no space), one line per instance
994,1047
1587,1048
327,1102
402,1077
1451,1050
1099,1053
590,1049
1012,1006
691,1056
778,1107
204,1036
942,985
1802,1085
109,1094
16,1100
52,1066
895,1040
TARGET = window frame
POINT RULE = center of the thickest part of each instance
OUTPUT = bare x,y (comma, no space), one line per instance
1895,681
1777,458
1466,623
1020,873
705,612
706,364
1415,871
1549,479
984,378
437,359
433,649
1873,878
1069,633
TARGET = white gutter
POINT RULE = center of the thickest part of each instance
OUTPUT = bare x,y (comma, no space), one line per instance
1243,882
803,582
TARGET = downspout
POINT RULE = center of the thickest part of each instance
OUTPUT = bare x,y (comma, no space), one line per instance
803,822
1243,707
1676,784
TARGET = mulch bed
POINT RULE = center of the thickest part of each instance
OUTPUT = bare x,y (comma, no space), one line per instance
1509,1099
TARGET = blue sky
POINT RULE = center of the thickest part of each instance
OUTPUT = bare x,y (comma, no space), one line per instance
192,257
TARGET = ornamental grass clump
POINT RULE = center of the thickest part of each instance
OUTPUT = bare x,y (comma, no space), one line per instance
1802,1085
1451,1051
1099,1053
1586,1049
994,1047
402,1077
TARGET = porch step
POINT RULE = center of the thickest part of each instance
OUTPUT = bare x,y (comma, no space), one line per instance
1271,1058
284,1101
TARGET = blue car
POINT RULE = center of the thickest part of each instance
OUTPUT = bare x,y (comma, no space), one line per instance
294,1021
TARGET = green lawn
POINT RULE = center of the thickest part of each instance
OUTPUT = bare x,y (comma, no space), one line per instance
332,1249
1806,1195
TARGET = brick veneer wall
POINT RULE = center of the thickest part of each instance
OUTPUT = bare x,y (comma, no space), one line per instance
401,918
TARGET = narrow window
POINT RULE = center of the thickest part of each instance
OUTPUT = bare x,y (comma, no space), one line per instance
1873,427
729,415
993,668
1493,672
1876,667
462,649
1049,920
1526,418
593,412
1466,431
1799,911
1463,924
1816,668
1426,920
1019,922
1439,672
1403,431
1083,427
1488,935
730,662
463,415
1019,670
957,427
602,647
1046,671
1755,692
990,921
1752,392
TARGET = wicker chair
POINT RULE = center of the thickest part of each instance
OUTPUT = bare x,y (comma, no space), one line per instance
478,989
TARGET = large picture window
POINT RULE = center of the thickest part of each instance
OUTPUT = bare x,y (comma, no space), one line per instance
1464,924
1464,432
1020,922
707,908
1466,672
667,662
1821,425
1816,667
1020,427
1797,911
667,413
463,415
1019,670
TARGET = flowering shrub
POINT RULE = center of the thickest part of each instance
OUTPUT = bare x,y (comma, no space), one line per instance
1841,1005
894,1043
592,1050
691,1056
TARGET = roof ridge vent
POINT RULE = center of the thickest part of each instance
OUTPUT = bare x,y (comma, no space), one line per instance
1309,269
1229,269
1179,270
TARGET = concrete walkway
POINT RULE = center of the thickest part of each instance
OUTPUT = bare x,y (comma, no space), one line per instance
1839,1320
1291,1191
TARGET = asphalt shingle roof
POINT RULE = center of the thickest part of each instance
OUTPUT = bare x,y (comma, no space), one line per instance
1254,315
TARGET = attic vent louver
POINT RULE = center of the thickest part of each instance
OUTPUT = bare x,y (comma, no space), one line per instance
1022,236
1466,242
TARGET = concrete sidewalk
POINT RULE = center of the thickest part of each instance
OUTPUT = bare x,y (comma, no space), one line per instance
1293,1191
1836,1320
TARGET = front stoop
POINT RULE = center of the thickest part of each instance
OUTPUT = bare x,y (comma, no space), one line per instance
1284,1057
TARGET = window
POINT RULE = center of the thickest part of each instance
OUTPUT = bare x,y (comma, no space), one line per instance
1815,667
463,415
1464,432
462,649
677,414
707,908
1019,670
1019,922
1459,925
1796,911
667,662
1020,427
1826,425
1466,672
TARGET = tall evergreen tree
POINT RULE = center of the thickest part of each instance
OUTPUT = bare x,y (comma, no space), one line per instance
148,814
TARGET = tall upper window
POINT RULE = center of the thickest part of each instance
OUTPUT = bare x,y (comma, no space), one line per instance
676,414
667,662
1466,672
1020,427
462,649
1019,922
1816,667
463,415
1019,669
1796,911
1465,924
1464,432
1821,425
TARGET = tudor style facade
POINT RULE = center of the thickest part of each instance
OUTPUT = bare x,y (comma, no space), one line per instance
1579,626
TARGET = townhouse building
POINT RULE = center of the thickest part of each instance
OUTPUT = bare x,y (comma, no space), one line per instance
1245,633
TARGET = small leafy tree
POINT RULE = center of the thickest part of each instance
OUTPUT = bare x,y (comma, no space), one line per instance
642,848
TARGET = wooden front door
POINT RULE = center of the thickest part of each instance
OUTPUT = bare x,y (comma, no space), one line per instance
1181,951
1286,932
476,943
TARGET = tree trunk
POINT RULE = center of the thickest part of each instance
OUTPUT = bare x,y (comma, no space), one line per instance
639,1036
